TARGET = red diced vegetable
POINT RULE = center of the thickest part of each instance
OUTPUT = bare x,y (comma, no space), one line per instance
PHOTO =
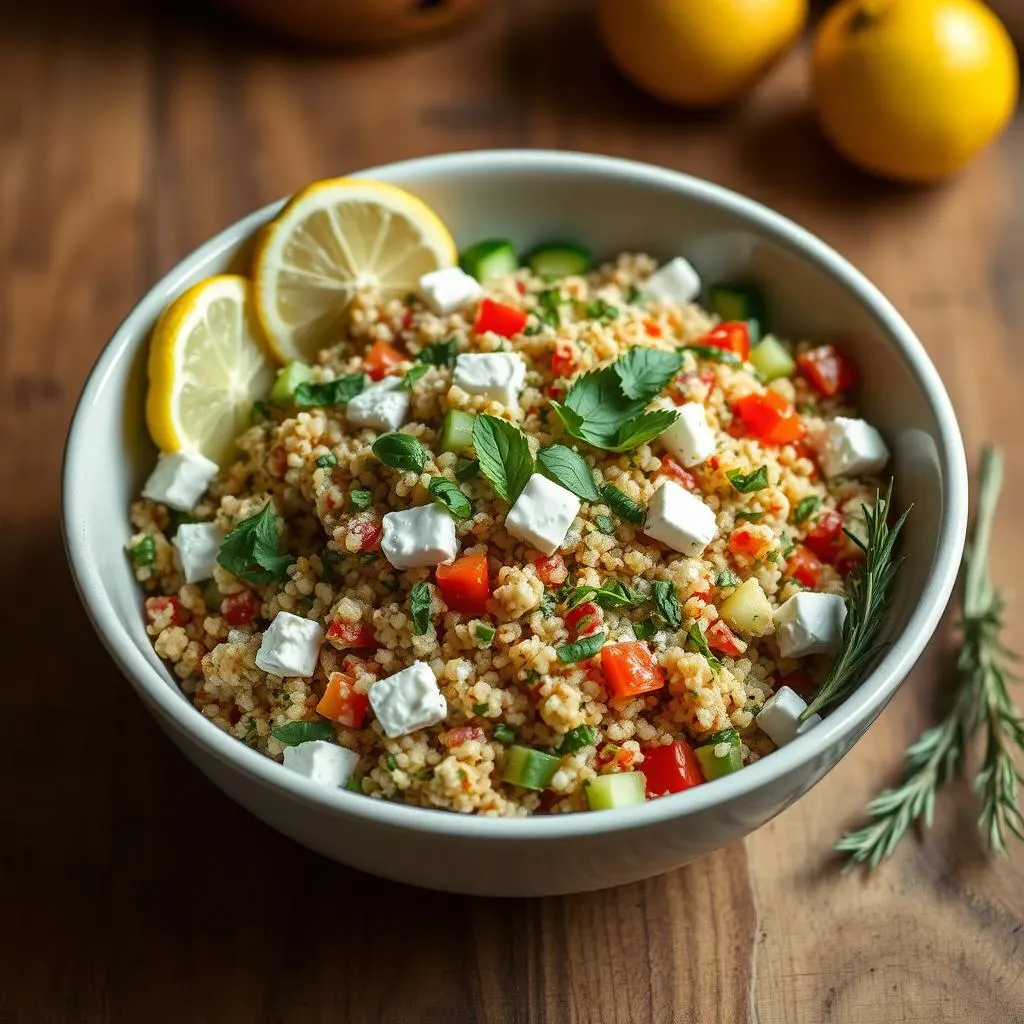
670,768
381,358
804,566
239,609
563,361
652,329
463,734
674,471
501,319
464,584
584,618
341,703
733,336
827,369
352,663
744,542
800,682
629,669
848,562
157,607
551,571
771,418
349,635
825,537
722,639
369,529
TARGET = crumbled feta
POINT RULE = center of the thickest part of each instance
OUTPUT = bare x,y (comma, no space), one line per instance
779,719
290,646
680,519
179,480
676,282
849,447
690,439
408,700
196,546
810,624
419,536
382,406
498,376
449,289
542,514
322,761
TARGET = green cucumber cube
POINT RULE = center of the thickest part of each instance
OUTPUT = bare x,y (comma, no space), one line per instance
289,377
608,791
771,359
528,768
493,257
457,432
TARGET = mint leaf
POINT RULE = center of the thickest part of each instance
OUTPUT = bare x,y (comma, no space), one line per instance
644,630
643,429
466,469
610,596
291,734
582,649
727,578
400,451
449,496
361,500
748,516
441,353
504,455
622,504
667,603
251,550
327,461
747,483
419,607
700,641
330,392
569,469
806,508
645,372
415,372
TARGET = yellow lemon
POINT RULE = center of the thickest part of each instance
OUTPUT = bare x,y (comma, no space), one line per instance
912,89
699,53
335,238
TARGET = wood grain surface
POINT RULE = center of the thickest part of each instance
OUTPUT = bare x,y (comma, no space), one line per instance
132,890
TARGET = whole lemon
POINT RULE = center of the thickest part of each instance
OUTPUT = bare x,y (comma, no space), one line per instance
912,89
698,52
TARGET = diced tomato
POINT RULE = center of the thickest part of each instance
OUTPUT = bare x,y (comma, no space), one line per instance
351,664
563,361
848,562
825,537
722,639
156,608
827,369
771,418
239,609
463,734
551,571
804,566
733,336
555,392
234,715
674,471
744,542
368,528
799,681
670,768
501,319
381,358
584,618
346,635
521,287
737,428
652,329
341,702
630,668
464,584
407,320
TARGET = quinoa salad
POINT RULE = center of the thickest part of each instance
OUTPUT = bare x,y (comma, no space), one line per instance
542,536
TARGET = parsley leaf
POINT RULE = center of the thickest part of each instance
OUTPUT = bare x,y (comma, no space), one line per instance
806,508
449,496
576,739
584,648
569,469
622,504
667,603
644,630
601,310
713,354
504,734
644,372
727,578
330,392
747,483
419,607
326,461
441,353
748,516
504,455
144,553
483,633
251,550
400,451
699,640
361,500
466,469
611,596
291,734
415,373
547,311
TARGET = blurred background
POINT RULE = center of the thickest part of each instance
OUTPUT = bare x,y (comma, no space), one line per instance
130,133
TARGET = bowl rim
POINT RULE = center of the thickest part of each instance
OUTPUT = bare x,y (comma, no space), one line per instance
862,706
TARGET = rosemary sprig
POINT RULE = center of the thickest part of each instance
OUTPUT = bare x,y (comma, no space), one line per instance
865,603
981,702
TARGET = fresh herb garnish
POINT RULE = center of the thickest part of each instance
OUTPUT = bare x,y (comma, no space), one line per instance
747,483
327,461
259,411
504,734
633,295
667,603
449,496
390,762
576,739
291,734
361,500
605,524
611,596
330,392
483,633
713,354
503,454
580,650
622,504
416,371
644,629
727,578
419,607
144,553
805,508
644,372
569,469
601,310
441,353
466,469
251,551
547,311
748,516
400,451
700,641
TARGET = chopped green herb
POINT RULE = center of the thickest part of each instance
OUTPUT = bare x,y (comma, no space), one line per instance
622,504
327,461
330,392
400,451
480,709
293,733
419,607
505,735
633,295
700,641
569,469
747,483
449,496
667,603
712,354
601,310
483,633
503,454
806,508
258,411
144,553
354,785
645,372
548,303
584,648
251,551
441,353
576,739
360,499
466,469
611,596
748,516
644,629
605,524
414,374
390,762
727,578
787,545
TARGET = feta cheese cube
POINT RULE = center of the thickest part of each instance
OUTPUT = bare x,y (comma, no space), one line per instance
179,480
848,447
680,519
542,514
810,624
382,406
419,536
408,700
196,546
676,282
690,439
498,376
290,646
779,719
322,761
449,289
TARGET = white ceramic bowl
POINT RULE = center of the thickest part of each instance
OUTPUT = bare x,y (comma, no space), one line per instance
611,205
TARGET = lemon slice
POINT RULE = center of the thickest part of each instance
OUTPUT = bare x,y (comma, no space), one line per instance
335,238
208,363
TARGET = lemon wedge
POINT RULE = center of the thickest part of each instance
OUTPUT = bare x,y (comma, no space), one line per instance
336,238
208,363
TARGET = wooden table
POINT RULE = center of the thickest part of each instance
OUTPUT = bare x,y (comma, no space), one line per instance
132,890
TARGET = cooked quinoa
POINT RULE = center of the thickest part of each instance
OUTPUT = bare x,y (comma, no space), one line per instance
506,670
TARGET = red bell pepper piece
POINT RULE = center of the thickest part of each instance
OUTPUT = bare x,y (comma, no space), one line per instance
629,668
743,542
464,584
563,361
827,369
156,607
368,527
674,471
722,639
341,703
825,537
499,318
733,336
552,570
771,418
584,618
346,635
239,609
804,566
381,358
670,768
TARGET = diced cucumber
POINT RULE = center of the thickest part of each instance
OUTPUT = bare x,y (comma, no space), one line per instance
493,257
559,259
771,359
739,302
715,763
528,768
608,791
457,432
289,377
